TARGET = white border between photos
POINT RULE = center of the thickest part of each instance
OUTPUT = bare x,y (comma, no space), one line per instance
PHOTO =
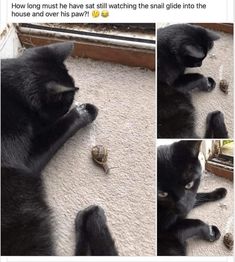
116,259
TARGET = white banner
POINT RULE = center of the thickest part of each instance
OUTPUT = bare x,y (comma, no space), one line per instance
106,11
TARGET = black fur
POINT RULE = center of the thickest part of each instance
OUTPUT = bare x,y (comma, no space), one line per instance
37,93
92,232
178,47
178,179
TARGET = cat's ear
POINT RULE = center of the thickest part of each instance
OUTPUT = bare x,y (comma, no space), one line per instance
62,50
189,147
212,35
55,88
194,51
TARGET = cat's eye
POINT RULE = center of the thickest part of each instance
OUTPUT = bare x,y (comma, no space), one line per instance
162,194
189,185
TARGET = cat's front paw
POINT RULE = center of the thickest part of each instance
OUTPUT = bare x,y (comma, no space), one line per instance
87,111
219,193
214,233
210,84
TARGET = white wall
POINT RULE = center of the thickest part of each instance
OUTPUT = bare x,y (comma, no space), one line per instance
9,42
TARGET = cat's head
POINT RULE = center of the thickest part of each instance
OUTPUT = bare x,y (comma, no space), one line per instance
178,175
47,88
191,44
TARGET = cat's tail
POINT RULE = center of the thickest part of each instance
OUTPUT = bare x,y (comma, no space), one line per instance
215,125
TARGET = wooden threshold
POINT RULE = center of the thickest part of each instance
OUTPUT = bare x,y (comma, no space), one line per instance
219,171
224,27
105,52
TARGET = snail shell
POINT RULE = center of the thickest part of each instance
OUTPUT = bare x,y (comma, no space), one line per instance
224,86
99,155
228,241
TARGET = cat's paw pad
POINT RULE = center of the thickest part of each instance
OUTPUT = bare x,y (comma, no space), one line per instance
210,84
87,110
219,193
214,233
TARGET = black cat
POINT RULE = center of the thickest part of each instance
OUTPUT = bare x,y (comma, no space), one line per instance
178,47
178,178
36,96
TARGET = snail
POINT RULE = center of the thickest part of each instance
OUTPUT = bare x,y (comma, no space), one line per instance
223,85
99,155
228,240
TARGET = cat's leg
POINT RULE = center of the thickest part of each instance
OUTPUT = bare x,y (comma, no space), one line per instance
217,194
215,125
52,138
169,245
189,82
92,233
188,228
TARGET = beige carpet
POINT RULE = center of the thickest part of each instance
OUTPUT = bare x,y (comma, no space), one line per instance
218,65
220,213
126,126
